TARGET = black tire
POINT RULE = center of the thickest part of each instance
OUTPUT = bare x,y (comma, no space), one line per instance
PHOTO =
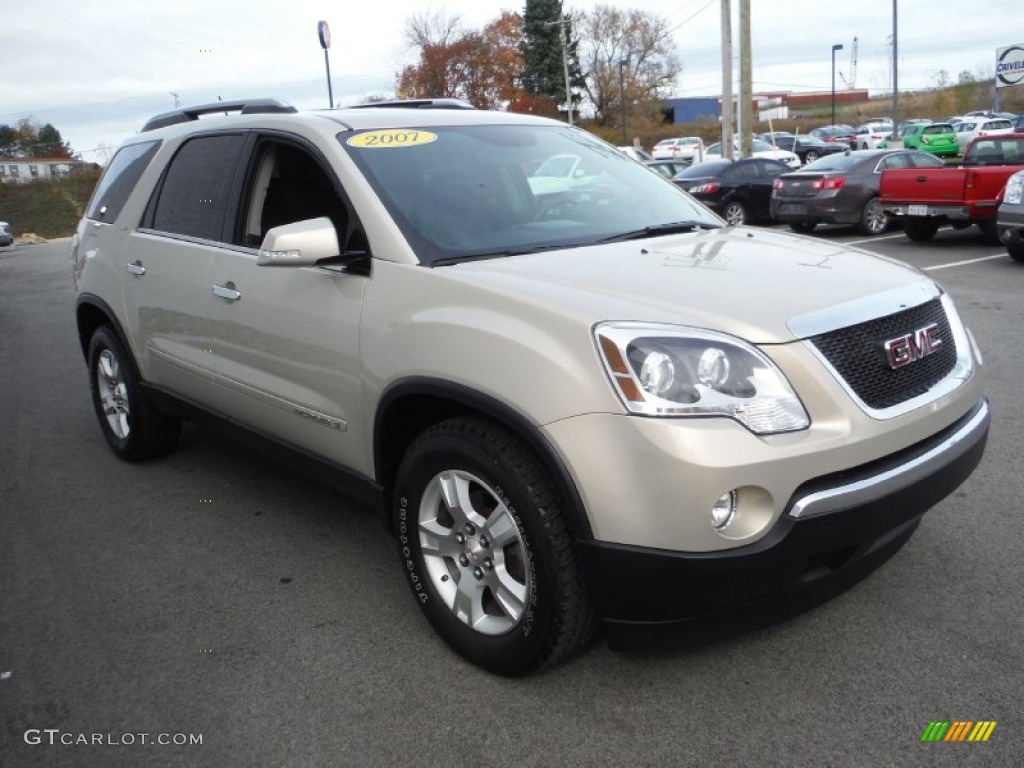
734,213
131,424
509,496
1016,252
873,220
920,229
811,156
990,232
803,227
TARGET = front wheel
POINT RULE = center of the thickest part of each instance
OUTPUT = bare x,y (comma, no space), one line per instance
486,549
1016,252
734,214
873,220
811,156
131,424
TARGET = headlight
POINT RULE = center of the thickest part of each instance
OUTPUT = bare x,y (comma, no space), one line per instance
664,370
1014,189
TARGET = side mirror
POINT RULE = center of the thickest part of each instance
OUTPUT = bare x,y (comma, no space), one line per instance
301,244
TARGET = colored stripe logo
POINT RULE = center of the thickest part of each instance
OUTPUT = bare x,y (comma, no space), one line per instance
958,730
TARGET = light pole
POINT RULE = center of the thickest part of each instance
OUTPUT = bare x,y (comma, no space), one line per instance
623,63
836,47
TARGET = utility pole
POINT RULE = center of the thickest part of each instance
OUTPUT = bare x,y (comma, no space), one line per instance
746,83
895,78
727,79
177,101
562,23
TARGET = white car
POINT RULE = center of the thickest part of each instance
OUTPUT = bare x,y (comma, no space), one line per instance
557,174
636,153
760,149
684,148
980,126
869,135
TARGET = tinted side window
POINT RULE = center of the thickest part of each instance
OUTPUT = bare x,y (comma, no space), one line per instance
120,179
194,194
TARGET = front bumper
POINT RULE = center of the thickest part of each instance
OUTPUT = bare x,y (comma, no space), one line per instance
836,530
1010,224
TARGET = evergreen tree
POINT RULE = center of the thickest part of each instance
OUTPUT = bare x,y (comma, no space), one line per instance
543,70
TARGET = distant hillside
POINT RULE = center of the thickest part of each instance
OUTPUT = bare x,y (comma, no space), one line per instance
47,208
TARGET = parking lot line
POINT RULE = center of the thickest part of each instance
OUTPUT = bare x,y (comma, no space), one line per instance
962,263
875,239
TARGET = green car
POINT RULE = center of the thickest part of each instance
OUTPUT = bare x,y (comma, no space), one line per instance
937,138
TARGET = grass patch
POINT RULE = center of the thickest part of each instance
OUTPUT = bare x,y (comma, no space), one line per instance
49,208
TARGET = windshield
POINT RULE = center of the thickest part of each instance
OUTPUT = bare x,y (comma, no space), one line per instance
460,192
841,161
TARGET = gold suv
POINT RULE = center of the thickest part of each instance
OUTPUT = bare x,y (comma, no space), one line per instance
576,403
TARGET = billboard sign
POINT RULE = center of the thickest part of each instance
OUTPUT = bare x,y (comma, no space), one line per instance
1010,66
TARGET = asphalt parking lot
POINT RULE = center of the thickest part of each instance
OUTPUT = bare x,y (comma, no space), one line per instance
216,594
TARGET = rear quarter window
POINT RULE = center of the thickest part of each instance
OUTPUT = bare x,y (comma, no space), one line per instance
119,179
193,198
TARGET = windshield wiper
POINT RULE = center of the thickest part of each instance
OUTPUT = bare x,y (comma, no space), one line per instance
448,261
672,228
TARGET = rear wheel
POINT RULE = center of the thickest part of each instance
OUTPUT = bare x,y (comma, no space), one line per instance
1016,252
803,227
811,156
486,549
920,229
734,213
133,427
873,220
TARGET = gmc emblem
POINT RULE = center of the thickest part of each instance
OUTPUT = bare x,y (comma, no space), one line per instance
913,346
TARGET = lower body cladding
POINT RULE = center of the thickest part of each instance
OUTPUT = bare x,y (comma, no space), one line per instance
835,530
1010,225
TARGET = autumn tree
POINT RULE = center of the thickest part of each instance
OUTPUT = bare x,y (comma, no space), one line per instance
544,60
637,43
480,67
29,139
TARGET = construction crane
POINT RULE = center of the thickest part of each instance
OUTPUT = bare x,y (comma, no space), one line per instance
851,82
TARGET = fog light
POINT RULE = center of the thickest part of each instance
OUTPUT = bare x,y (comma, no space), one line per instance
724,511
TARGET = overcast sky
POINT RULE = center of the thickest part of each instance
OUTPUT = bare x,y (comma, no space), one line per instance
97,70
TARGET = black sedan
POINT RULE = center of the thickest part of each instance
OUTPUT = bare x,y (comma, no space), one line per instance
842,189
809,148
737,190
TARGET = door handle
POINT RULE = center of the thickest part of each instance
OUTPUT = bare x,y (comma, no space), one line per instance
135,268
921,178
227,291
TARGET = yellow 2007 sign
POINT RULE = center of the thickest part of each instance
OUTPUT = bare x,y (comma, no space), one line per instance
392,137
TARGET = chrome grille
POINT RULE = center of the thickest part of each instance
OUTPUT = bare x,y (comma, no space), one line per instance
858,355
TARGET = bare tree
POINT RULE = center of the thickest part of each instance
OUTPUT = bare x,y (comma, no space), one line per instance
432,28
638,42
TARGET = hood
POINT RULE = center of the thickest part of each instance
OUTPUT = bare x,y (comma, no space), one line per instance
744,281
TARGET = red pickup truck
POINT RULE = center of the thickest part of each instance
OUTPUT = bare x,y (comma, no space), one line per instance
925,198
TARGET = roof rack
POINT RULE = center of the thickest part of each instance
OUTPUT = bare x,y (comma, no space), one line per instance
250,107
416,104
